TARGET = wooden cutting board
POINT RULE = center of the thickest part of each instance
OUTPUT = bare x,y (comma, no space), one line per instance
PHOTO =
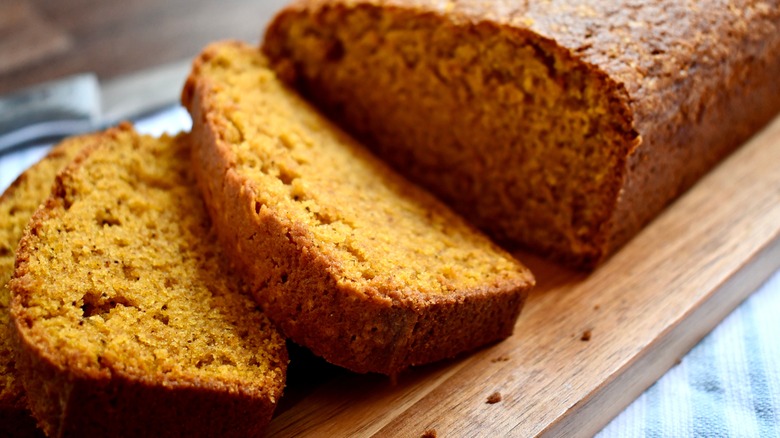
585,345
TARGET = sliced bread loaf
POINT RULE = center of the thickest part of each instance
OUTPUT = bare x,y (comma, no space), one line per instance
17,206
348,258
125,316
563,126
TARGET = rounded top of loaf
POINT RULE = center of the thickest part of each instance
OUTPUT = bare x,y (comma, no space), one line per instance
629,40
636,74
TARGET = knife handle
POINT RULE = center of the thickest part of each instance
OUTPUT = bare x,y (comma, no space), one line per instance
53,109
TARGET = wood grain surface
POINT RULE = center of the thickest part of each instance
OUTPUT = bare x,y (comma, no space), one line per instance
585,345
41,40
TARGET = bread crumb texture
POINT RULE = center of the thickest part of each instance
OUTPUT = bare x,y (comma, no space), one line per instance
504,126
378,229
120,278
17,206
559,126
348,257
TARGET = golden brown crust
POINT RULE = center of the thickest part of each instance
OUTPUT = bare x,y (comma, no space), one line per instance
692,81
366,329
17,204
72,394
85,404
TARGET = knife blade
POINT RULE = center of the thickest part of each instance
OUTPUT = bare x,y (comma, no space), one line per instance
80,103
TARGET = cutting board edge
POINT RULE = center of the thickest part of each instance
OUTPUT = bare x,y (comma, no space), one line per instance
592,414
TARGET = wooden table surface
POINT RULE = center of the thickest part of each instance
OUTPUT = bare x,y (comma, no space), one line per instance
42,40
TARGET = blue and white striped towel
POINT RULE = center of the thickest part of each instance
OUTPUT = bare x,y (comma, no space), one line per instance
171,120
727,386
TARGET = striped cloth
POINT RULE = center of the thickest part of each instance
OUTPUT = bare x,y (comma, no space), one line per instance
172,120
727,386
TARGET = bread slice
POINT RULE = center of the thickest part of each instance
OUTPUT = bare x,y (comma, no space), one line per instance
126,318
561,126
348,258
17,206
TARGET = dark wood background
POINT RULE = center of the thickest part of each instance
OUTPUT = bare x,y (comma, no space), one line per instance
42,40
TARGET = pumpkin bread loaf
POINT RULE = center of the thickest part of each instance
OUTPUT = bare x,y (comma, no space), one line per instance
17,206
126,319
348,258
562,126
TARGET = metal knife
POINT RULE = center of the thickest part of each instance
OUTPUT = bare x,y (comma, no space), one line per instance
81,103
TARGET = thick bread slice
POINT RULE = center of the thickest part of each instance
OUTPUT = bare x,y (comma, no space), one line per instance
348,258
126,318
563,126
17,206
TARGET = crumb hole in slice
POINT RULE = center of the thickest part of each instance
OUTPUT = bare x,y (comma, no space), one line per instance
323,218
96,304
225,360
130,273
105,218
204,361
298,193
162,318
